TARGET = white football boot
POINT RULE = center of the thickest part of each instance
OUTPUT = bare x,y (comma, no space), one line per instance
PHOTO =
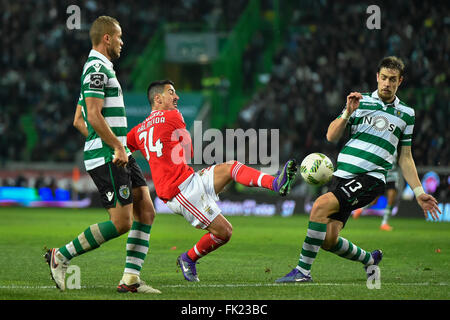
58,267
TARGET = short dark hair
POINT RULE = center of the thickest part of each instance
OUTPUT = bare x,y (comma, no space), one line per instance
157,87
392,62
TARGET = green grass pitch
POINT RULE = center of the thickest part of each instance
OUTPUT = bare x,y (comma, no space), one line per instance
416,263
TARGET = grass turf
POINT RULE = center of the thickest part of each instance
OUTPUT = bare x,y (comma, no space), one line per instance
260,251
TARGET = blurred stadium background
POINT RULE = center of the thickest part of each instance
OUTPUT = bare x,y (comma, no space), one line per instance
274,64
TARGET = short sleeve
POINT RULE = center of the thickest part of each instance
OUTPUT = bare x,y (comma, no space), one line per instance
406,137
131,140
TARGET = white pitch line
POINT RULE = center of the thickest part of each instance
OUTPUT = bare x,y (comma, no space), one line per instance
238,285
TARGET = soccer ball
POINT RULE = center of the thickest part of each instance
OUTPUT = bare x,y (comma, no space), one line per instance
316,169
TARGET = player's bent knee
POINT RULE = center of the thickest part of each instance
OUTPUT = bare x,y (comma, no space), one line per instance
225,168
224,232
319,208
122,223
123,226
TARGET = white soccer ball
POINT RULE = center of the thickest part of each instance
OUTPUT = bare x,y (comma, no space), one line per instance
316,169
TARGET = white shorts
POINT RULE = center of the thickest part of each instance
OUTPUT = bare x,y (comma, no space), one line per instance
196,201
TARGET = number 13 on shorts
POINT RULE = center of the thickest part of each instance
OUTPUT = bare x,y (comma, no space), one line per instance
353,185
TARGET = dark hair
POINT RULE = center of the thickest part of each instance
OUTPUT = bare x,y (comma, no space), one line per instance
157,87
392,62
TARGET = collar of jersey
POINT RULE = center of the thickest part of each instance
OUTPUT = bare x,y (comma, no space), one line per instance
393,104
95,53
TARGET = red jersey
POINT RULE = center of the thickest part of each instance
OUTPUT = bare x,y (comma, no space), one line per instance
164,141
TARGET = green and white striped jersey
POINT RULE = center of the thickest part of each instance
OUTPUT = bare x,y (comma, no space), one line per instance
99,80
376,131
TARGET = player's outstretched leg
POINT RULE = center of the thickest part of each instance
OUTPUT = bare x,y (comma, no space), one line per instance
90,239
250,177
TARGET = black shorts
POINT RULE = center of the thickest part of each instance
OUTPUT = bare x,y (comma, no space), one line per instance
354,193
115,183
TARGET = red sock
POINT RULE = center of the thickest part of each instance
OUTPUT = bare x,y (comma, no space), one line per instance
205,245
250,177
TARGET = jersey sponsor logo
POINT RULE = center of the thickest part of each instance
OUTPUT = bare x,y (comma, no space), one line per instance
124,191
379,123
97,81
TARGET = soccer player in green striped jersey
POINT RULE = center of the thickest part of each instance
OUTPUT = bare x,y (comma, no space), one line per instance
379,124
101,118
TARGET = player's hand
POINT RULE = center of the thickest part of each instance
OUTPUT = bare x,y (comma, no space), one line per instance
353,102
120,157
429,204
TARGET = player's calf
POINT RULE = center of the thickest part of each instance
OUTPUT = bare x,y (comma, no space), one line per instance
248,176
347,250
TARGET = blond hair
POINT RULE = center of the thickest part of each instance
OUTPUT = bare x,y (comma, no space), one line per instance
101,26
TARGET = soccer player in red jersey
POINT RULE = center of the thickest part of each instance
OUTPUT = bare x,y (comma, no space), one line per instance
166,144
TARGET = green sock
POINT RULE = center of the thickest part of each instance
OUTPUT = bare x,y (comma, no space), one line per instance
137,247
314,239
348,250
90,239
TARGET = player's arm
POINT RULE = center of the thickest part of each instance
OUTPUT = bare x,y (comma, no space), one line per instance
427,202
131,140
337,127
78,121
94,115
